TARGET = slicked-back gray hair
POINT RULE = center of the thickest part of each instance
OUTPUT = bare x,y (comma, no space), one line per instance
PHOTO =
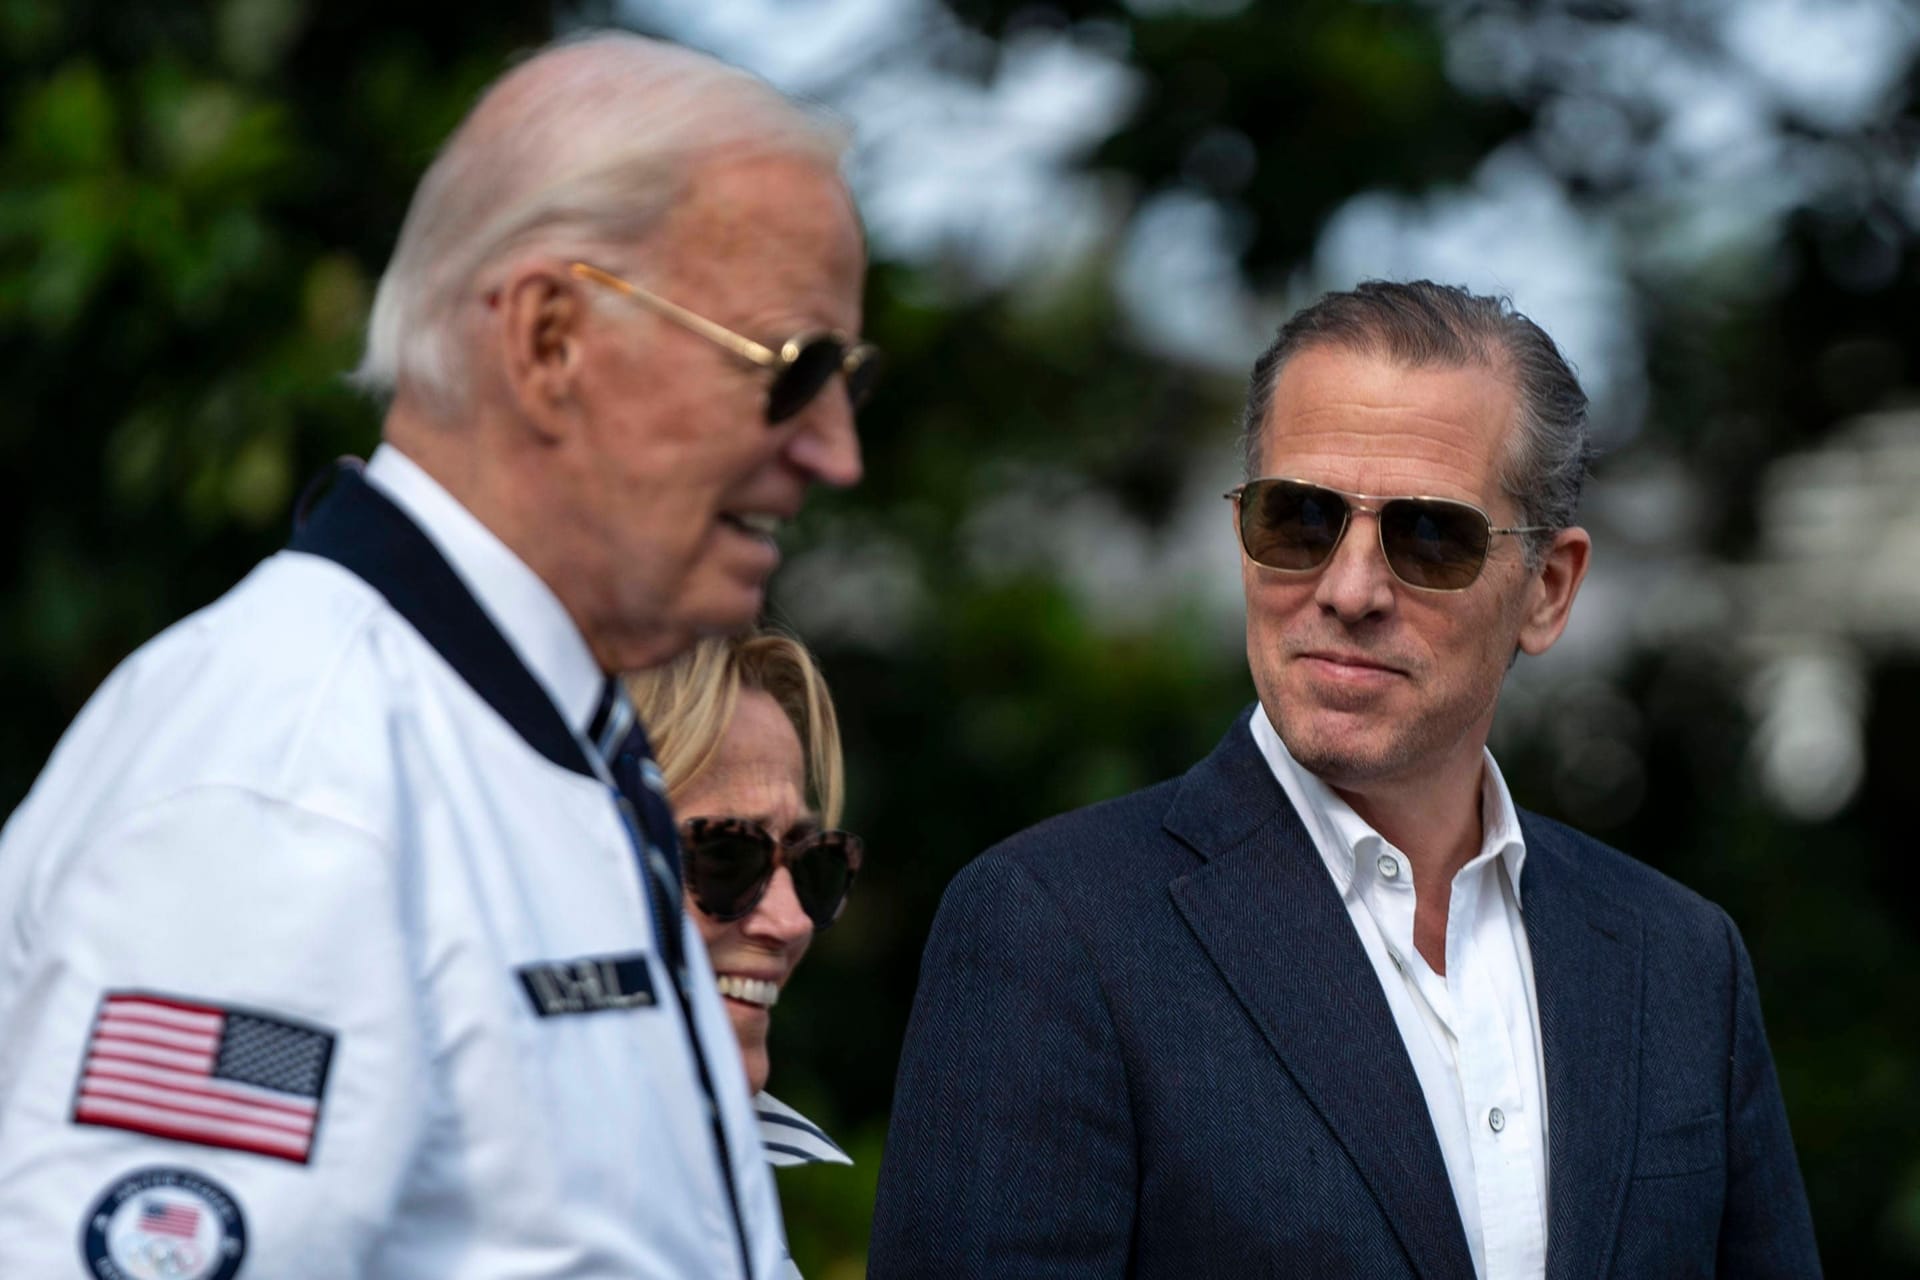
1421,325
585,145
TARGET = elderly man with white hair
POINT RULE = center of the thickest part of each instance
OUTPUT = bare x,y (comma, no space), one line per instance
342,934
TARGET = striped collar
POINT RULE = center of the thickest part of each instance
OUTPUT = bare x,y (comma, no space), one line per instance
790,1138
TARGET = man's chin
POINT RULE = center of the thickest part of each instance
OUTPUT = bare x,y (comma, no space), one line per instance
726,608
659,647
1343,758
728,605
730,613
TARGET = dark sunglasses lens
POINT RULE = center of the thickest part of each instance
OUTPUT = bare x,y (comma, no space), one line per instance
728,870
796,385
822,872
862,367
1286,525
1432,544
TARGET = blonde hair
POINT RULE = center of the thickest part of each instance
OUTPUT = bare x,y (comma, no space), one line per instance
687,705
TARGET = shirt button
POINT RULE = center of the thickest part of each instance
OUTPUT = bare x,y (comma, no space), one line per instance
1389,867
1496,1119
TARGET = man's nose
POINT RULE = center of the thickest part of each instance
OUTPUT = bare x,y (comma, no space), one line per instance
826,442
780,918
1356,582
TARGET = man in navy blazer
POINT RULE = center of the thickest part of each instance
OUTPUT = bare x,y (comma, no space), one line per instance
1330,1004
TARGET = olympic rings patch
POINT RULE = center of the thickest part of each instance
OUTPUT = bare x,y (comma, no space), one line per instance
164,1224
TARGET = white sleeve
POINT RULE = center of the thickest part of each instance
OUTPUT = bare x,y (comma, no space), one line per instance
215,1003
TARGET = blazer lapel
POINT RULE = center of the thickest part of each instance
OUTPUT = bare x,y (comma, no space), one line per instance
1268,915
1587,974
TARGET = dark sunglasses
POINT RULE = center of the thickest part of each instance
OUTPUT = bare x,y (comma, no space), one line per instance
802,366
1435,544
729,862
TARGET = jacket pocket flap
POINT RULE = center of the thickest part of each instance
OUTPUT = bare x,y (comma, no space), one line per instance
1688,1147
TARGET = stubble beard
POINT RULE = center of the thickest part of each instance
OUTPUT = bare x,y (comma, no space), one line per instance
1349,761
1369,747
1380,747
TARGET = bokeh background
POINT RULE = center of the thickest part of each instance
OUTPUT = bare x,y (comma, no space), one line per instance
1085,220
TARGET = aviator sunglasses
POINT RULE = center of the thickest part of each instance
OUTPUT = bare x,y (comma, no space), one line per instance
801,366
730,862
1434,544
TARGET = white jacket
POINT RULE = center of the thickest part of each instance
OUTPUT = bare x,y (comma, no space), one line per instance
318,961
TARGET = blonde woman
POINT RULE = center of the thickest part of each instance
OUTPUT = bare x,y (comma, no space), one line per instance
748,743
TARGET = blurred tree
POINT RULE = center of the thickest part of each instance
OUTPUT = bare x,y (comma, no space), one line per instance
194,201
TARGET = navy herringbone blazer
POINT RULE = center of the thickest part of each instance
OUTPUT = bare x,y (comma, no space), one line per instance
1148,1043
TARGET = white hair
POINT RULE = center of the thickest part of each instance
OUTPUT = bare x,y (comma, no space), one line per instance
586,144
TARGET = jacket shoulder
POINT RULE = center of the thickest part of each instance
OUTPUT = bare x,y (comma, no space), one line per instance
1117,836
1115,858
286,686
1666,904
298,656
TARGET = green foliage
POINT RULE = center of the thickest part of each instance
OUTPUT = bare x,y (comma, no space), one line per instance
194,202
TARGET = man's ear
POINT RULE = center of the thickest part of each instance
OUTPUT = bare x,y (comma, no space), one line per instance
1551,590
541,313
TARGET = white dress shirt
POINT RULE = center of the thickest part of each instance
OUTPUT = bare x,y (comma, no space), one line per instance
313,966
1473,1035
791,1139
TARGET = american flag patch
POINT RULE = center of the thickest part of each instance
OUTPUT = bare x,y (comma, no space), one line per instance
170,1219
203,1074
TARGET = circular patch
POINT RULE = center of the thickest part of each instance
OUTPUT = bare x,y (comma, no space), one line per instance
164,1224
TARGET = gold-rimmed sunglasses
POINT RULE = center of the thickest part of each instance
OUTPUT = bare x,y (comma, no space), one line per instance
1435,544
801,367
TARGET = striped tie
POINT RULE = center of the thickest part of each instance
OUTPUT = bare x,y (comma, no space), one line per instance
623,744
615,731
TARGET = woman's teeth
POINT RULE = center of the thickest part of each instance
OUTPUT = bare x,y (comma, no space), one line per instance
751,990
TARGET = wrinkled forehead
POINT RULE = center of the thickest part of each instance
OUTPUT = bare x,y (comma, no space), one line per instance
768,220
1373,423
733,199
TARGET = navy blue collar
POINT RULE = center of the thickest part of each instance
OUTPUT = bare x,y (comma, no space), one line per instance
354,525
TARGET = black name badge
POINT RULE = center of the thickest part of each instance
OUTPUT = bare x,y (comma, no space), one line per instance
596,984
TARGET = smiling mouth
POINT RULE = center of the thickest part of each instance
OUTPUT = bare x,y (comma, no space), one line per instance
754,991
755,524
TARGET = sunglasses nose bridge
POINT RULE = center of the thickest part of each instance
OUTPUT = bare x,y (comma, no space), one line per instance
1376,511
779,916
810,365
1357,573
